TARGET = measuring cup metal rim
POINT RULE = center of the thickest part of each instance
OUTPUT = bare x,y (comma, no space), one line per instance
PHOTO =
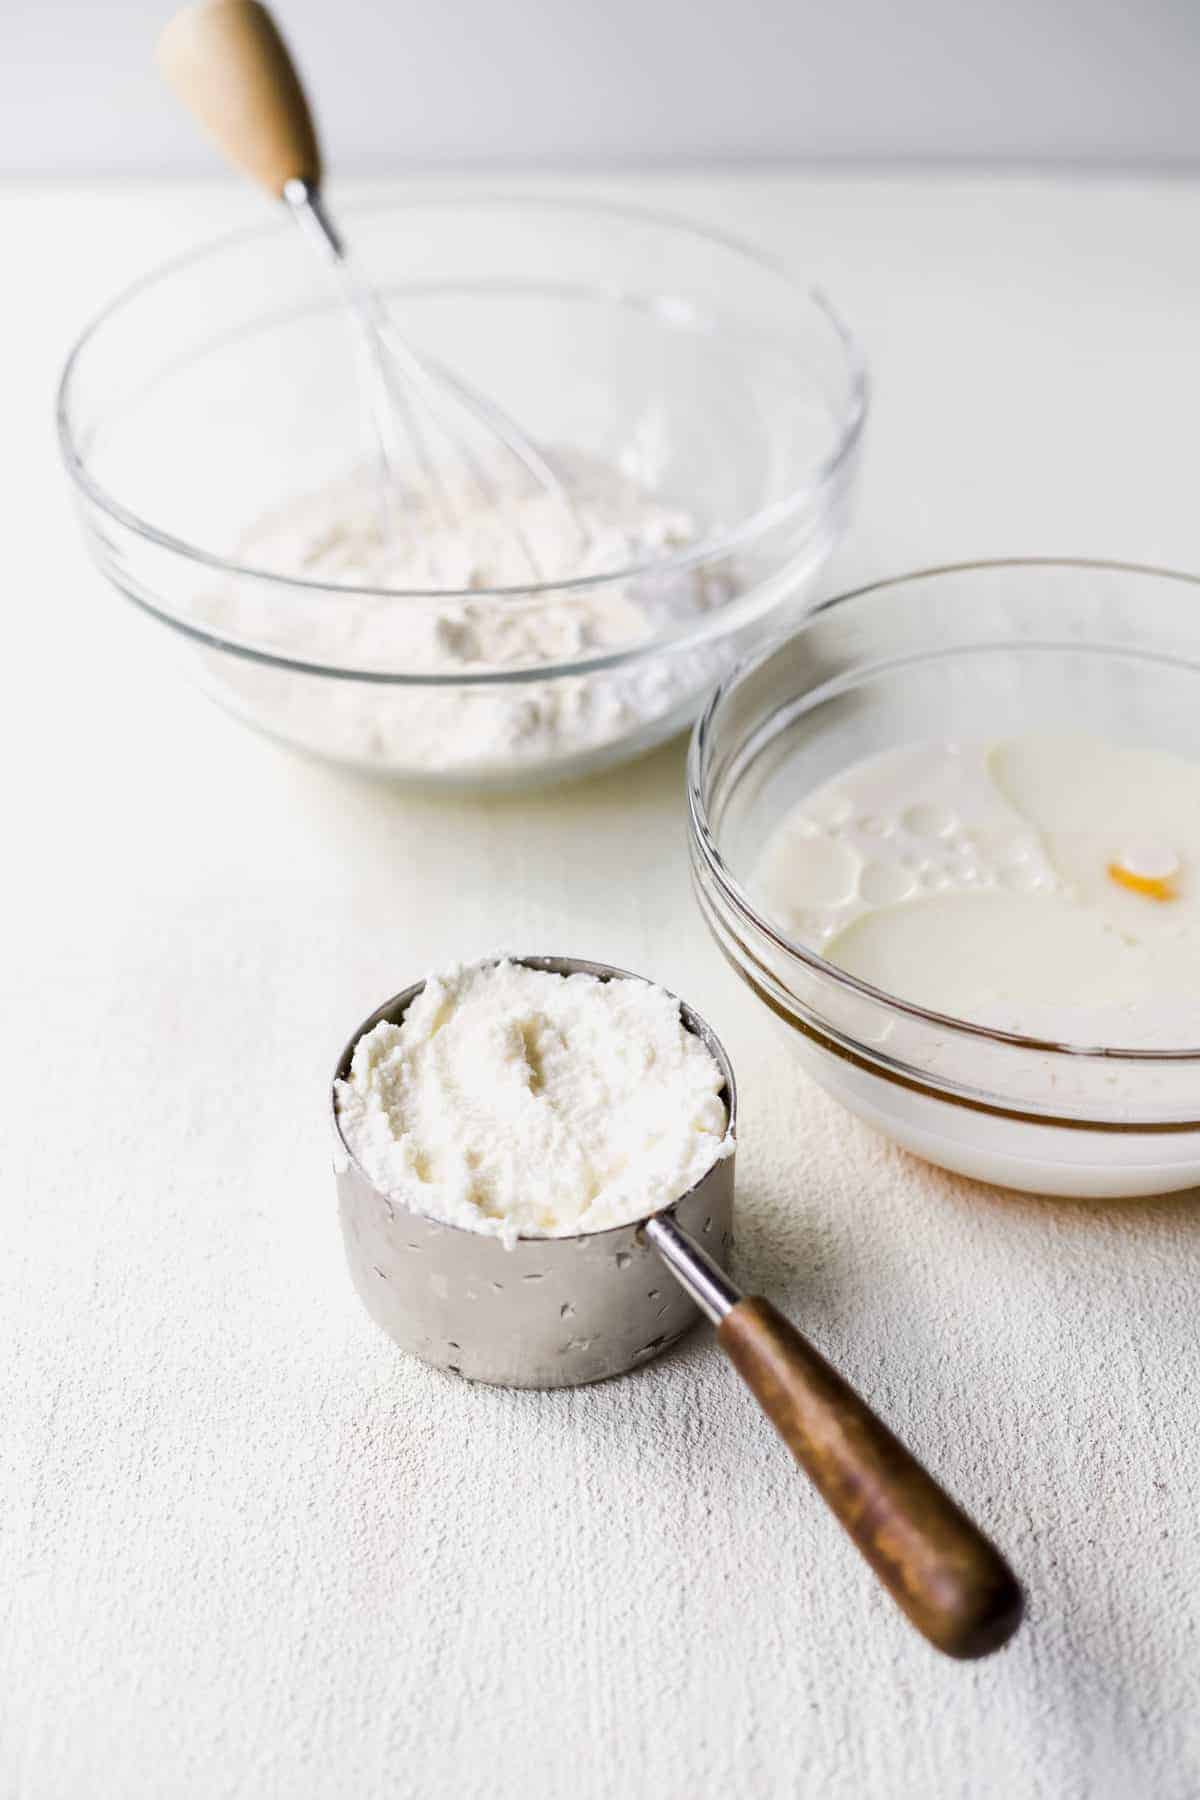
550,1312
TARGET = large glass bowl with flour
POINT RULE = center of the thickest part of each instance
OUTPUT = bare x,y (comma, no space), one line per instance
1082,681
704,408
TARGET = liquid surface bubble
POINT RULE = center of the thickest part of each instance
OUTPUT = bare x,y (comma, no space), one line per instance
825,873
882,884
926,820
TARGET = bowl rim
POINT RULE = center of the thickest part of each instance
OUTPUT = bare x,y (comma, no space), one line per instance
704,839
393,1009
847,430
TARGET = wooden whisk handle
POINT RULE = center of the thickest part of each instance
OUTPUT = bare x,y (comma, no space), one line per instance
951,1582
227,61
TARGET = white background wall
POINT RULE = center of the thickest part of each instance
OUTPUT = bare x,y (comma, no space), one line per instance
457,82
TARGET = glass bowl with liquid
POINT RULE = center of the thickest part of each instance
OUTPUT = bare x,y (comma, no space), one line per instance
991,651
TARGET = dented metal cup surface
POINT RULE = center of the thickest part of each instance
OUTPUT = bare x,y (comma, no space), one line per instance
550,1312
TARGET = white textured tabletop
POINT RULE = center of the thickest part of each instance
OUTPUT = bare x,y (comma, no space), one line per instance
246,1548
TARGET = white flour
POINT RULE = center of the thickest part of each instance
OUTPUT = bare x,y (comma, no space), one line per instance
516,1102
337,535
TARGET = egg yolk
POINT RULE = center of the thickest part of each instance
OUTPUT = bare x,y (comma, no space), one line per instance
1152,887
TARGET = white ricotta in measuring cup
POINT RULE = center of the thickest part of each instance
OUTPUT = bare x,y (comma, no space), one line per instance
521,1103
1043,885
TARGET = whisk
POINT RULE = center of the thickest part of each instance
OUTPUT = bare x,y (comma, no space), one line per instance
228,62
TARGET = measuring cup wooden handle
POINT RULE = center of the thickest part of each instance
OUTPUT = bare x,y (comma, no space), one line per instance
951,1582
229,64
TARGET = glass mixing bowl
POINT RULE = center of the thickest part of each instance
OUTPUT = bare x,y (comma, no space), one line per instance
975,651
229,383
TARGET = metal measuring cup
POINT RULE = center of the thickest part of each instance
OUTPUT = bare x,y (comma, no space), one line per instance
554,1312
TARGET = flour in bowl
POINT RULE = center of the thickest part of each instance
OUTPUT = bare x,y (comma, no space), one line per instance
427,547
520,1103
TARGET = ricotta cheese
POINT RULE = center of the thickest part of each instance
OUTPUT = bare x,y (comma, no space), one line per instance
520,1103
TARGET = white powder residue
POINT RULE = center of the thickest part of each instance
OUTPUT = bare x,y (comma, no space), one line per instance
521,1103
433,541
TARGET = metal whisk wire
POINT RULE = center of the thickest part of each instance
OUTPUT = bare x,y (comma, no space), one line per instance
229,63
